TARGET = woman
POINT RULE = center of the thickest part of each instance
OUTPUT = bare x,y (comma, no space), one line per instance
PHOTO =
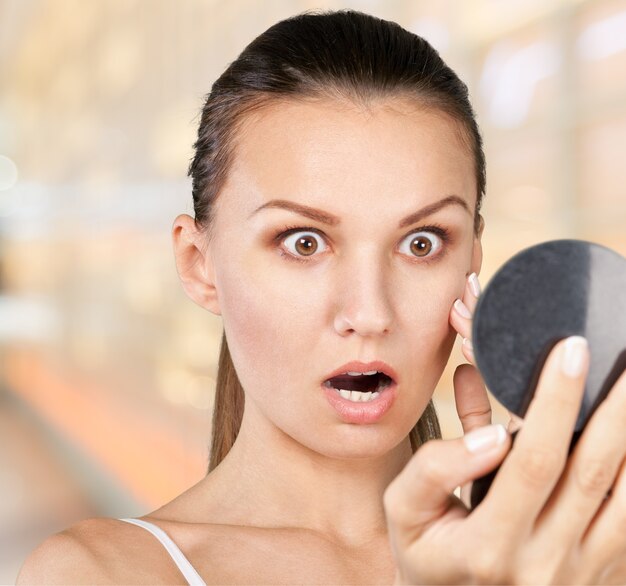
337,183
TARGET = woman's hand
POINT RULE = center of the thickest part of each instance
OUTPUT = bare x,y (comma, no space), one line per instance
470,394
545,519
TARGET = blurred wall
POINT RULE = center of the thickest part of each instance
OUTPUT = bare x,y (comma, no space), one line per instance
107,369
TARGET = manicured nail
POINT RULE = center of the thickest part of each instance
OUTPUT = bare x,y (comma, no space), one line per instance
484,438
462,309
468,343
573,357
474,284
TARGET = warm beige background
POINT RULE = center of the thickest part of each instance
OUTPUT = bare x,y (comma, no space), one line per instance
106,368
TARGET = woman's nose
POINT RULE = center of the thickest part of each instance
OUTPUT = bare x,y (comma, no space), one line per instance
363,301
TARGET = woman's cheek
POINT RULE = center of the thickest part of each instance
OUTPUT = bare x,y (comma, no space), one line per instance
260,313
430,325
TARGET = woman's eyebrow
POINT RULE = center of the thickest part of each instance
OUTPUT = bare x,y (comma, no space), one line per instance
332,220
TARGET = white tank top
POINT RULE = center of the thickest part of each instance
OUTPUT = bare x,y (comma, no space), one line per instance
187,570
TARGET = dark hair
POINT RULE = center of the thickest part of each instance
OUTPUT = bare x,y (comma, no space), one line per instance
345,55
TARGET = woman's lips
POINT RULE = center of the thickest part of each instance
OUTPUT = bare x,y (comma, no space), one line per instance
361,412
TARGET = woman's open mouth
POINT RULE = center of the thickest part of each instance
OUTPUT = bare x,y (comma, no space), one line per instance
361,399
359,388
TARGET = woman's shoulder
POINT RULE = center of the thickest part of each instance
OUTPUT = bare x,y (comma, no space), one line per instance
95,551
69,556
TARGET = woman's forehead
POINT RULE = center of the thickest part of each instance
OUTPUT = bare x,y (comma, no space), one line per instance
321,124
327,148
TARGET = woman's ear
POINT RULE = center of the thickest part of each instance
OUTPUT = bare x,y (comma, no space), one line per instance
477,250
194,263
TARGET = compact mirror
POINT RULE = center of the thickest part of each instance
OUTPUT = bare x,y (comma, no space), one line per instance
541,295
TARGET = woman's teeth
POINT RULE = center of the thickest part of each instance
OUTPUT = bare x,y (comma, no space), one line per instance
358,396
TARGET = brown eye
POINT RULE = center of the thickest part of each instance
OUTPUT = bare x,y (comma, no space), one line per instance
422,244
302,243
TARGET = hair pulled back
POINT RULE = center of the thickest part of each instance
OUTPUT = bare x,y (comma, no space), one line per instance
343,55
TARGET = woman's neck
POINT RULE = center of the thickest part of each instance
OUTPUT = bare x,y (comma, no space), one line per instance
268,479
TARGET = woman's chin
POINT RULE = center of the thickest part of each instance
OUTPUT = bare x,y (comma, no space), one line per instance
361,446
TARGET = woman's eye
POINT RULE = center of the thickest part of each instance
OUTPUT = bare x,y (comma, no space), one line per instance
421,244
302,244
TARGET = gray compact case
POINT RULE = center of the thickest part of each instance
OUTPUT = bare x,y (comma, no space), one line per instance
538,297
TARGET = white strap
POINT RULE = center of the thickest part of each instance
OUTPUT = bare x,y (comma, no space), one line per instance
188,571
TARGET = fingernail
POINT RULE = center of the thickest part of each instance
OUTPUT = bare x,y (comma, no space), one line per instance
485,438
462,309
474,284
467,342
573,357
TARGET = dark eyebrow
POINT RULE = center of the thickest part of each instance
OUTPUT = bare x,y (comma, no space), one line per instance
434,207
332,220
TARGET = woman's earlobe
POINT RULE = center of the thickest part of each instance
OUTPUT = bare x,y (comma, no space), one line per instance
194,264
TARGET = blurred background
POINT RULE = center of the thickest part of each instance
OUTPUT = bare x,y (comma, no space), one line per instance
107,369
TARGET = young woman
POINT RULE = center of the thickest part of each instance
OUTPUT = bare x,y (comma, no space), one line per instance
337,184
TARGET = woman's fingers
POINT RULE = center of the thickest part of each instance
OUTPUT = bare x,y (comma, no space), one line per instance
530,472
463,326
472,292
471,399
603,543
472,406
468,350
461,318
420,494
596,464
461,315
424,519
590,472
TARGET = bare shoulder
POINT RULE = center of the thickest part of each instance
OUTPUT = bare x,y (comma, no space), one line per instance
70,556
97,551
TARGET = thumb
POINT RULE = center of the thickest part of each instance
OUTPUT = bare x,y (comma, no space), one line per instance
420,494
471,399
472,406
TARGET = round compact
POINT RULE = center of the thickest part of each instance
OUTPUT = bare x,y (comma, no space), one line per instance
541,295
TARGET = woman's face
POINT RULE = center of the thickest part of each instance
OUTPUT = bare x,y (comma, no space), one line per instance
297,306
